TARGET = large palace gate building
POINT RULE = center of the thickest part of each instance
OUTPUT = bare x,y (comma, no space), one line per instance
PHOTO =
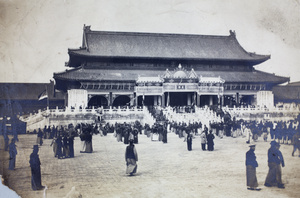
129,68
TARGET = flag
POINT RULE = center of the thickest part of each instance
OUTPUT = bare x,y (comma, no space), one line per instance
43,95
143,102
168,99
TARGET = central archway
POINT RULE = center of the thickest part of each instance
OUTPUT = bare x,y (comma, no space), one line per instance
178,98
98,101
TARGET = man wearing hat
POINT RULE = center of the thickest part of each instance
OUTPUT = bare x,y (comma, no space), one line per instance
35,165
275,159
251,165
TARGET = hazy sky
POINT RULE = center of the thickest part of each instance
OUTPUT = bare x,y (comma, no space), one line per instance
35,34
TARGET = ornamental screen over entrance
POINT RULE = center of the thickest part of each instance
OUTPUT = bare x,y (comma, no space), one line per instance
179,88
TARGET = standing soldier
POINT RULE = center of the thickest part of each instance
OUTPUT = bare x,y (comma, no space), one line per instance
251,165
12,154
35,165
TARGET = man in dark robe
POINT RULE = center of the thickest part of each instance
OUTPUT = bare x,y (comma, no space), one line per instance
65,146
59,147
275,160
210,141
35,165
126,135
251,165
71,146
131,158
189,141
12,154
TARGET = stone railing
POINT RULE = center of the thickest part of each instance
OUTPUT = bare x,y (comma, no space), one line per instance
65,116
262,113
203,115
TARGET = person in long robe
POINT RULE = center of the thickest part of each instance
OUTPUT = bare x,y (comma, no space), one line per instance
54,146
71,146
35,165
210,141
59,147
189,140
296,143
6,142
131,158
203,141
39,139
12,154
66,153
88,143
135,136
126,135
165,135
251,165
275,160
83,143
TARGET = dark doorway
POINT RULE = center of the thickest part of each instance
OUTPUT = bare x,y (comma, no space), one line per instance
121,101
208,100
178,98
147,100
246,100
98,101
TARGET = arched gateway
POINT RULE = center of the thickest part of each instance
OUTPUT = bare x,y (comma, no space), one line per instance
129,68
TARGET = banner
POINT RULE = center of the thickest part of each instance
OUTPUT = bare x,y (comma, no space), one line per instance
43,95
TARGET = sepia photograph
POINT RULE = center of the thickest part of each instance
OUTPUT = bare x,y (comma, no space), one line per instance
152,99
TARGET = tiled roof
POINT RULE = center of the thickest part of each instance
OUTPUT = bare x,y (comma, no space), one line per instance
163,46
294,84
81,74
286,93
149,79
211,79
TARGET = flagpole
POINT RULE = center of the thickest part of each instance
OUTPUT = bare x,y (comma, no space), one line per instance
47,97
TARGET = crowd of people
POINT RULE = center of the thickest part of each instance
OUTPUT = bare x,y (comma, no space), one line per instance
281,132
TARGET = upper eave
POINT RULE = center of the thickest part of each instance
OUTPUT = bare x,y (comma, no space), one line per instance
103,44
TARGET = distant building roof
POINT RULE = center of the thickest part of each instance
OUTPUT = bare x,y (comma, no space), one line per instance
294,84
82,74
287,93
103,44
26,91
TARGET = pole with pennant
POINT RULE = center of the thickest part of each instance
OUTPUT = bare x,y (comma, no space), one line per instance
44,95
47,98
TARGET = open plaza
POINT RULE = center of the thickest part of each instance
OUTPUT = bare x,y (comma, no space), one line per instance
164,170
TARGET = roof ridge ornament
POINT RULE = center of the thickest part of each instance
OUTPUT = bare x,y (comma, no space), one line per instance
232,33
86,28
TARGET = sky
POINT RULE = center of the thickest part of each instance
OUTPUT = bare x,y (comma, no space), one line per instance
35,34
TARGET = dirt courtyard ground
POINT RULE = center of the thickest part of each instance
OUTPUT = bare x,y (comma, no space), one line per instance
164,170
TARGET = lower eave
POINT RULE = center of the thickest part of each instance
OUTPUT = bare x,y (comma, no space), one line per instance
85,58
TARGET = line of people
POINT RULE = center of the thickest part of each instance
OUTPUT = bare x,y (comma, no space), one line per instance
124,132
